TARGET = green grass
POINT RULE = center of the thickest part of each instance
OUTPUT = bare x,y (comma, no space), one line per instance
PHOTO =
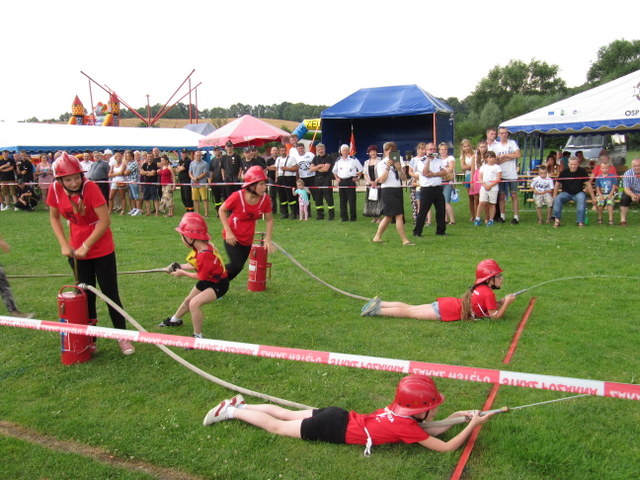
149,408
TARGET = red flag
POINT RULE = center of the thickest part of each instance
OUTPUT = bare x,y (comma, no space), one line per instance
352,143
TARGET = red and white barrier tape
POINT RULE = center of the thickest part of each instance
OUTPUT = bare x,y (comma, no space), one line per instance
485,375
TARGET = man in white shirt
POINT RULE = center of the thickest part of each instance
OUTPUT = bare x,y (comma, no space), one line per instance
286,172
431,170
508,154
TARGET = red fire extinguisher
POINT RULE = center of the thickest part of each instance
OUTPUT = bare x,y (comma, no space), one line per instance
258,266
73,308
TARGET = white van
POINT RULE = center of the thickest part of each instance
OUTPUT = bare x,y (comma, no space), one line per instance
591,145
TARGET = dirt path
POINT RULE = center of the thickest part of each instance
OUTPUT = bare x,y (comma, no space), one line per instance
13,430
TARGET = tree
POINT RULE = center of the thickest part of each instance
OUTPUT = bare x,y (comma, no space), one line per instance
502,83
615,60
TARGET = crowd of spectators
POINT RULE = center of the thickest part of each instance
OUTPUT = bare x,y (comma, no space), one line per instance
143,182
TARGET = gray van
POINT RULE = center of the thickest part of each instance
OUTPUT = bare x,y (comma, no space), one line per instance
591,145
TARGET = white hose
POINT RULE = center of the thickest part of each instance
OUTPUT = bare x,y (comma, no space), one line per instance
190,366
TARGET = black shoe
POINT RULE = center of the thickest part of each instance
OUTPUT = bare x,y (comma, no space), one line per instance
168,323
352,220
515,221
417,235
500,220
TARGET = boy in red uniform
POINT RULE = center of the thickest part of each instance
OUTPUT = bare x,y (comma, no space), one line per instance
416,401
478,302
209,271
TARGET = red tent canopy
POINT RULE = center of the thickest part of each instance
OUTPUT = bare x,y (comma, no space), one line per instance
242,132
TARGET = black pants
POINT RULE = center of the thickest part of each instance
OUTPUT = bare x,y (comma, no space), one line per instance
273,195
324,194
218,192
104,270
231,188
185,195
104,186
287,200
310,182
431,196
238,255
348,197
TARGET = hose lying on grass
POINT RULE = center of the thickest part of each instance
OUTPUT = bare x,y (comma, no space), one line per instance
190,366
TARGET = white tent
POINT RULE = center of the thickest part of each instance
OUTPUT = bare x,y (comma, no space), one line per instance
43,137
614,106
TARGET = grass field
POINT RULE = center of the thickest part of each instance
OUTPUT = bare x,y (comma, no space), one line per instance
146,409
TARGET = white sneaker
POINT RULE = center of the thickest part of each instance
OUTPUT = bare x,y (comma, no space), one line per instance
126,347
138,212
219,412
130,212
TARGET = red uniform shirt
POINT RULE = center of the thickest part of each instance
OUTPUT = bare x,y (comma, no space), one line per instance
208,264
383,427
81,226
242,220
482,300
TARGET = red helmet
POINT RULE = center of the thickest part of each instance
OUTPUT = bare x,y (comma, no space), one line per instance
486,269
65,165
415,394
254,175
193,226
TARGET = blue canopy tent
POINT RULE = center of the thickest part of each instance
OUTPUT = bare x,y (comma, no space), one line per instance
404,114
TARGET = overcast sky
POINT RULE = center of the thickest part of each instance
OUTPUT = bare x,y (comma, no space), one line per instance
266,52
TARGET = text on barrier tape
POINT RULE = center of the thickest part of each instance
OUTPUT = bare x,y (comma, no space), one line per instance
485,375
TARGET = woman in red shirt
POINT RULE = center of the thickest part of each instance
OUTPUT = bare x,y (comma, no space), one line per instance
478,302
90,246
238,215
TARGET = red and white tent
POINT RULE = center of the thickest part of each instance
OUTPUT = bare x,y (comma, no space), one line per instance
242,132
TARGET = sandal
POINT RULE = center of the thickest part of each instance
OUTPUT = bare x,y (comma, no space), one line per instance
610,222
580,225
623,224
599,222
408,244
556,224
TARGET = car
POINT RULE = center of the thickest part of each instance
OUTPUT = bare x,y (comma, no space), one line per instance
592,144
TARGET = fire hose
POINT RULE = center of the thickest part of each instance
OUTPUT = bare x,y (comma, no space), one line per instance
185,363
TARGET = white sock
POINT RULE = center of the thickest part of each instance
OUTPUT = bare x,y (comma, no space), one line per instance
230,411
503,215
478,218
197,335
175,319
516,217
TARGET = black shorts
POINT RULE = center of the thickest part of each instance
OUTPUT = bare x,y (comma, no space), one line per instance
625,200
220,287
326,424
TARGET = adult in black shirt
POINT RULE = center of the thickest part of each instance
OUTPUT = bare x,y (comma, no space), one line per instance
322,164
7,179
573,181
231,164
215,178
185,181
271,178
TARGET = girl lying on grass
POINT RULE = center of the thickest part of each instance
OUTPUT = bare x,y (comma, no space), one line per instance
416,401
478,302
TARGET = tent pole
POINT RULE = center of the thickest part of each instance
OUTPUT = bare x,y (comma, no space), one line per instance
435,129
